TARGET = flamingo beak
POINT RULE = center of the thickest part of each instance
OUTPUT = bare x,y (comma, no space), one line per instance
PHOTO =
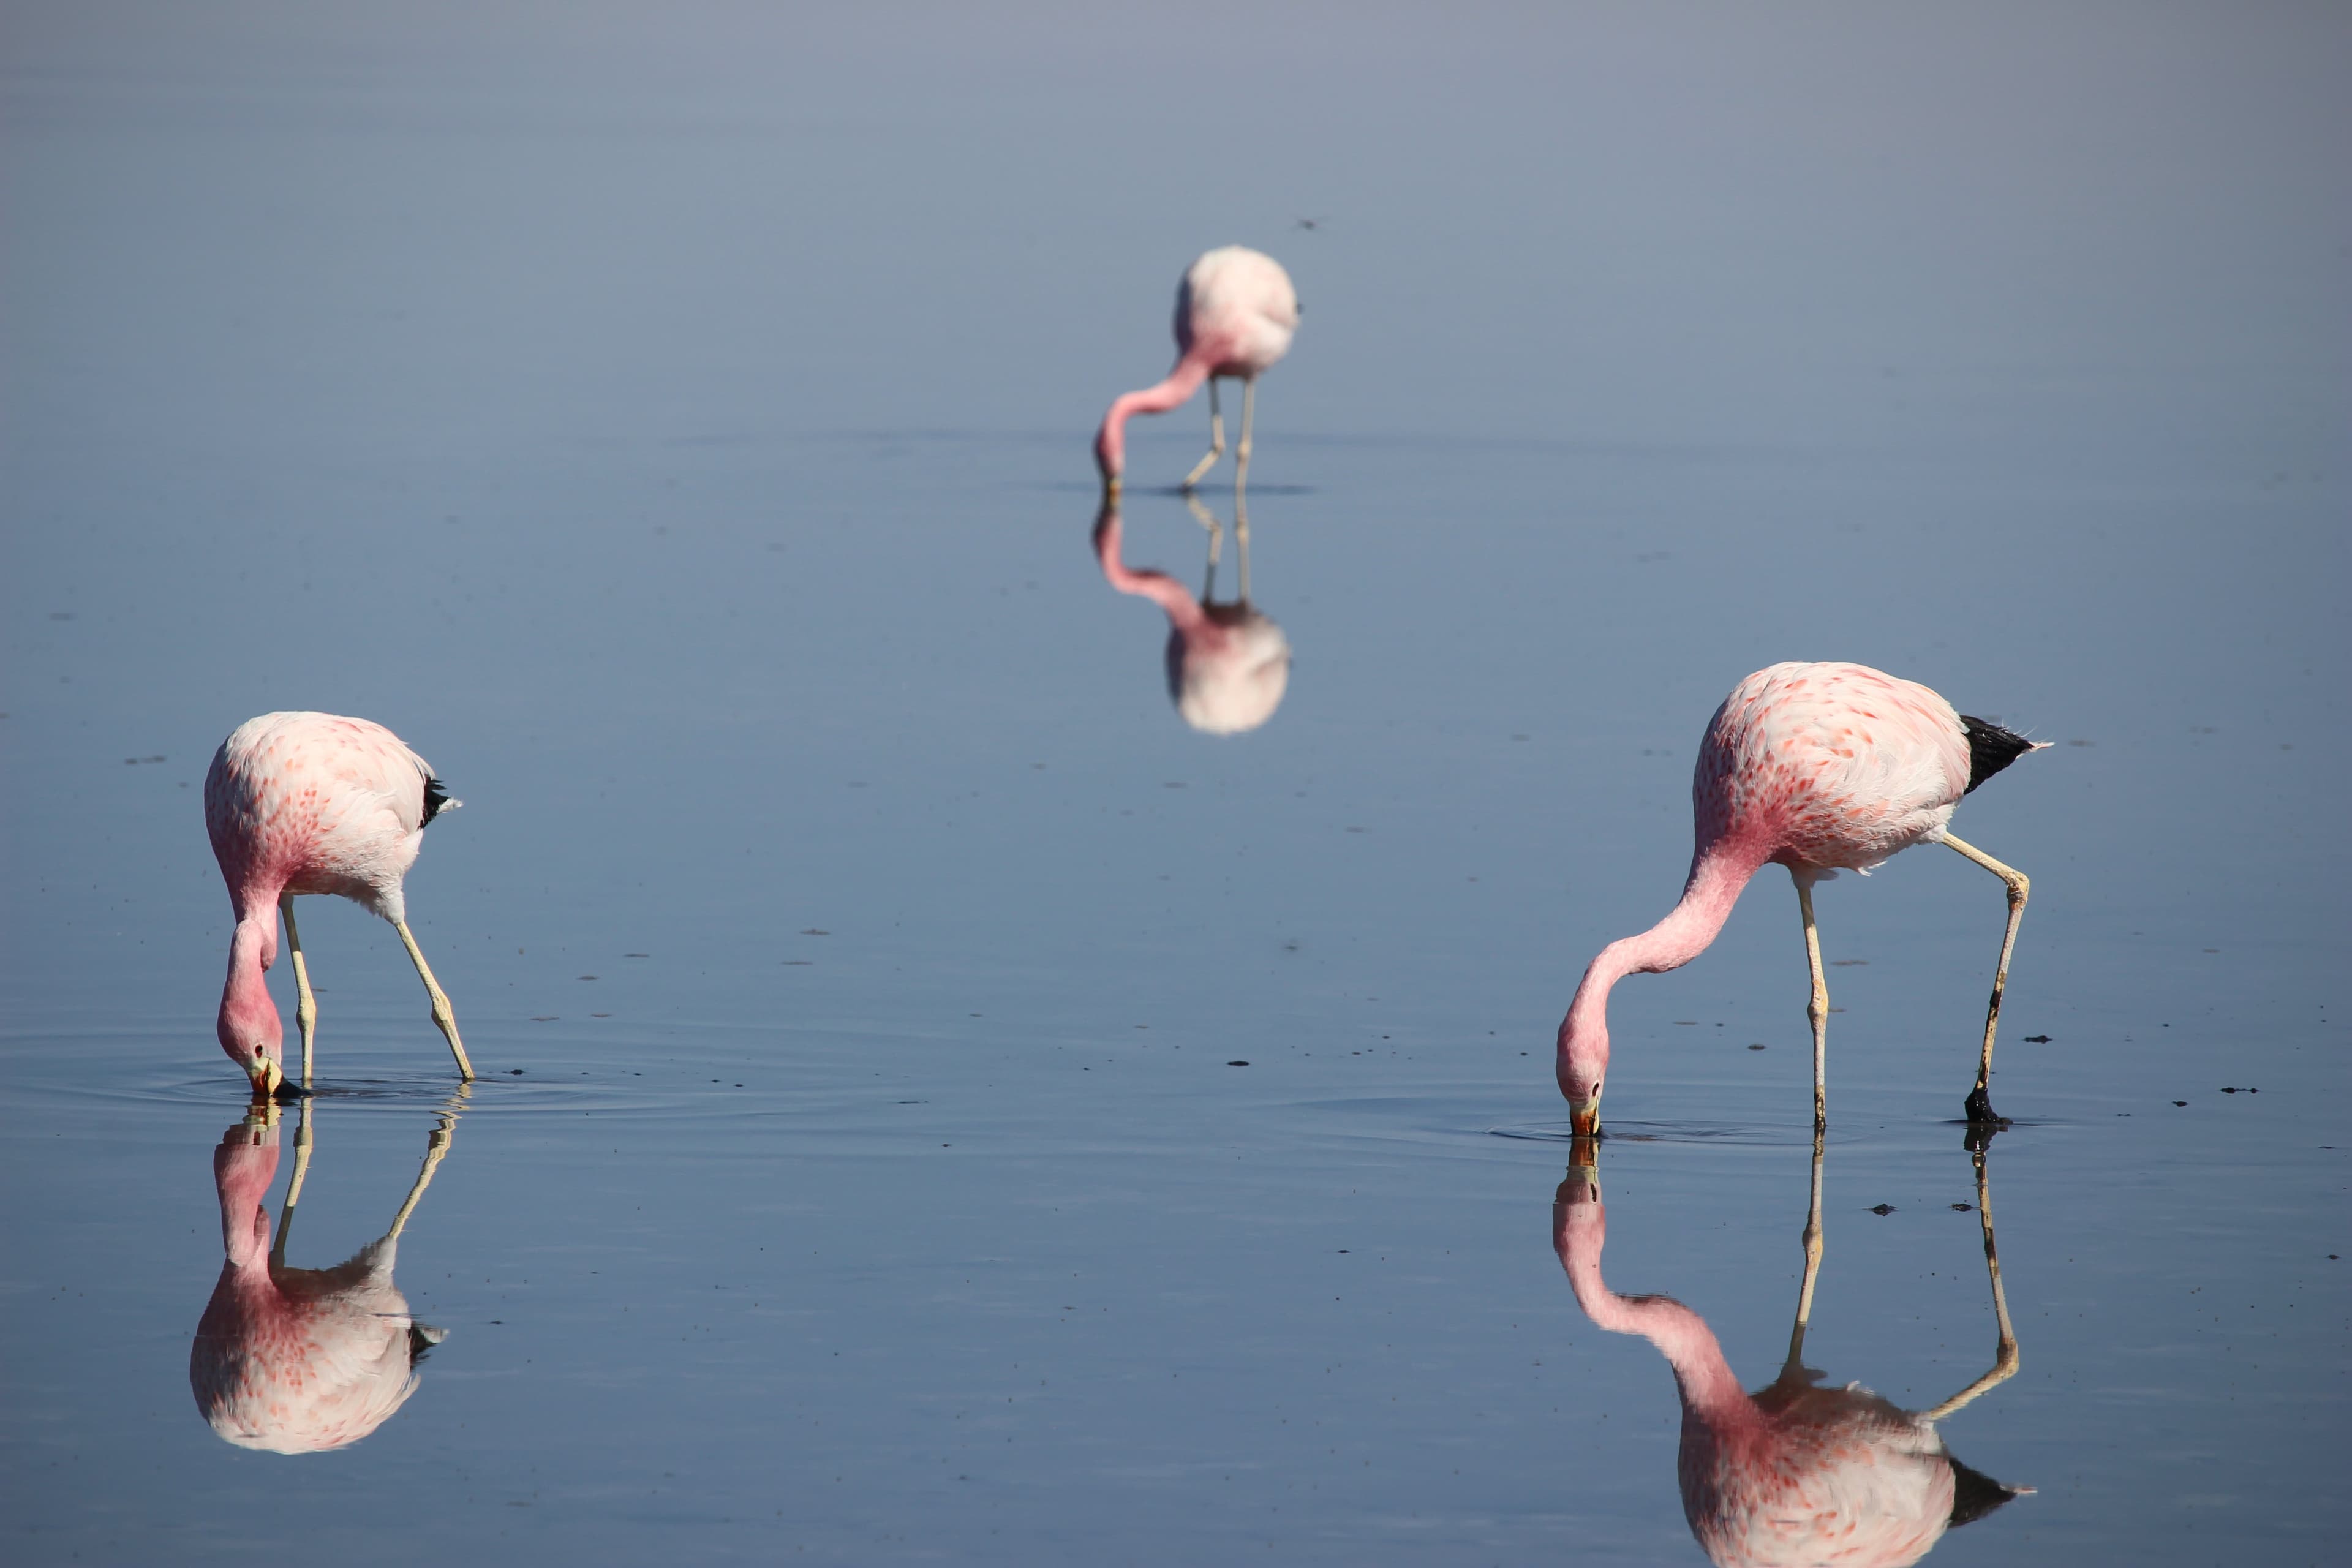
266,1076
1584,1117
1110,487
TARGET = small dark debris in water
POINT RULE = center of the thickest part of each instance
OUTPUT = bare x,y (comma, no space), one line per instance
738,1085
1238,1064
545,1017
816,930
2212,949
1756,1047
1848,964
800,963
636,955
1963,1208
135,762
514,1072
2179,1102
587,977
2037,1040
1882,1208
2331,1254
2082,742
600,1014
501,1323
1685,1023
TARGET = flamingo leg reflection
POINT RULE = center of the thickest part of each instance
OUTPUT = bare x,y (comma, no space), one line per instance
1812,1266
2005,1359
294,1182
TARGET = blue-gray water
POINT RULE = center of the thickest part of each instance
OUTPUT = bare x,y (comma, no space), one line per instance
674,425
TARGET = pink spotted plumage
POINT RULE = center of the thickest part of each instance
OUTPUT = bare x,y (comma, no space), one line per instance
1795,1475
1235,314
1818,768
306,804
297,1361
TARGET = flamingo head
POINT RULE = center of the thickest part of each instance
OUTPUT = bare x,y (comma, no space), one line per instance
1580,1065
249,1025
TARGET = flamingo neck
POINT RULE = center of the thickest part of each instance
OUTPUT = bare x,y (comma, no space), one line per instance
242,1172
1719,873
1710,1389
1186,614
1110,441
248,1024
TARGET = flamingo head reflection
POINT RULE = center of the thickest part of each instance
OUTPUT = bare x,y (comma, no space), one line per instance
296,1361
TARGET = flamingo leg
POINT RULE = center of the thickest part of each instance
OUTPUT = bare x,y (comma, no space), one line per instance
1979,1104
1241,541
2005,1359
1216,439
1812,1266
1207,520
442,1015
294,1184
306,1006
1818,1008
436,1144
1242,449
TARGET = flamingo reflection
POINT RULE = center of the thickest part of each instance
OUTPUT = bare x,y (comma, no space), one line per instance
298,1361
1795,1473
1228,664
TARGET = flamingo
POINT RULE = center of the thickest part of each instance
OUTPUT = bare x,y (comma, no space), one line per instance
1817,767
1235,313
299,1361
1228,665
1794,1473
312,803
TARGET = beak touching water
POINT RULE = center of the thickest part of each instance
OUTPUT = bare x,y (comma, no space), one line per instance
1584,1117
266,1076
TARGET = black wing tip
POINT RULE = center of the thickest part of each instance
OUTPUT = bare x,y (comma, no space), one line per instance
1976,1494
435,798
1991,749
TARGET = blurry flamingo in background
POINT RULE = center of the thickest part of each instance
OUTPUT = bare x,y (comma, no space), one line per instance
1817,767
1794,1474
1235,313
1228,665
312,803
298,1361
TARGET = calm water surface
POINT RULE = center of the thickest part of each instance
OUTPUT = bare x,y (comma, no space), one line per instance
936,1106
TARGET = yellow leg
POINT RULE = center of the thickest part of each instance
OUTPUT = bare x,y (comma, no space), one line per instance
1207,520
1817,1009
2005,1358
1216,439
436,1144
1979,1104
442,1015
294,1185
1242,450
1241,542
1812,1265
306,1006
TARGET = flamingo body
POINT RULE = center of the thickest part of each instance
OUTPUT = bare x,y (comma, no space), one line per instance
1818,768
1228,664
297,1360
305,804
1235,315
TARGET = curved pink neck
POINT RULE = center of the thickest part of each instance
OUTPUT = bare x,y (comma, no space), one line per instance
1719,873
248,1018
1110,441
242,1174
1186,614
1710,1389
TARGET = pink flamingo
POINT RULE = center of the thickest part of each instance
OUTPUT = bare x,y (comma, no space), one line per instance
1235,313
312,803
298,1361
1794,1473
1817,767
1228,665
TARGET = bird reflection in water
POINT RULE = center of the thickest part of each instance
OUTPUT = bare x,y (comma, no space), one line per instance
1794,1473
1228,664
298,1361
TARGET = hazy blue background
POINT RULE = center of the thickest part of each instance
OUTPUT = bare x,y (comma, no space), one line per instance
675,426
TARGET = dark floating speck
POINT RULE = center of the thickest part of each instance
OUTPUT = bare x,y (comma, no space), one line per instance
514,1072
815,931
2230,1091
1756,1047
2037,1040
1963,1208
2179,1102
1882,1208
1238,1064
